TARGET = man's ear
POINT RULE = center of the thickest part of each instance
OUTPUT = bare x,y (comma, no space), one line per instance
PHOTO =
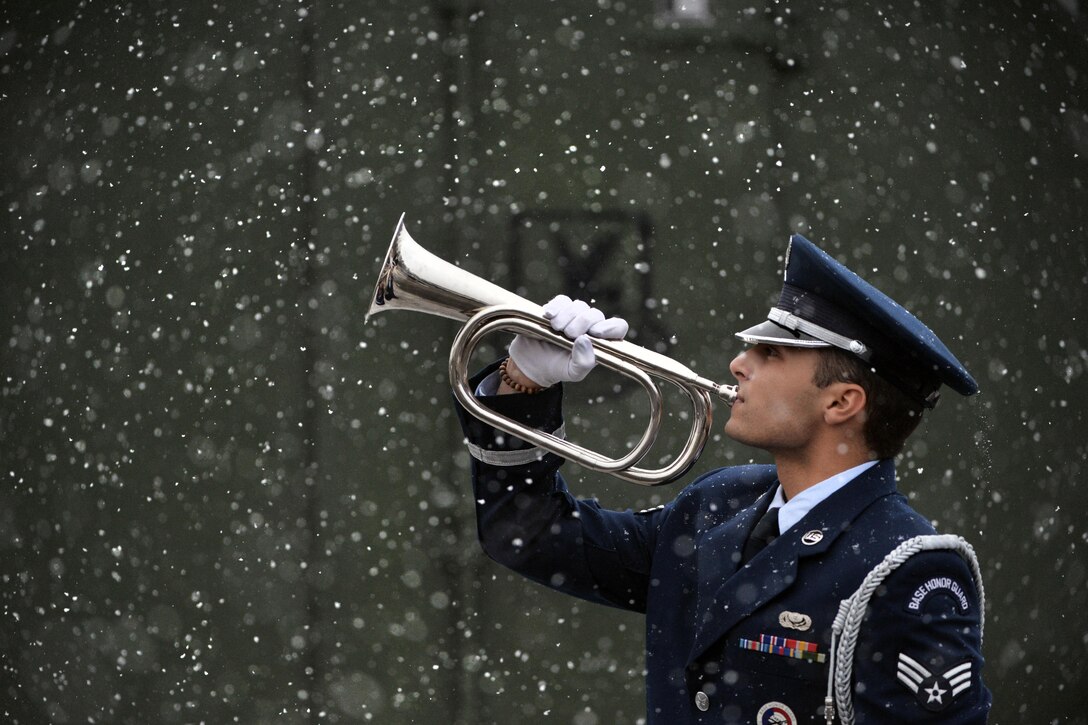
845,401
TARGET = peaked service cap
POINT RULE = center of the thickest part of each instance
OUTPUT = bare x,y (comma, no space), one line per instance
824,304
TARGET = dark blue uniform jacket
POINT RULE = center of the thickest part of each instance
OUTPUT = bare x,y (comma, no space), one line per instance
727,643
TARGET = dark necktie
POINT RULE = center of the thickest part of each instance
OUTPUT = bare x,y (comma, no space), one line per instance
764,532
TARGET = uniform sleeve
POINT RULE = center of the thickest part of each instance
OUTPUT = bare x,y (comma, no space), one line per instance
528,521
919,657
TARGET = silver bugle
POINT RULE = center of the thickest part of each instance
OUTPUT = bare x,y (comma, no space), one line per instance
411,278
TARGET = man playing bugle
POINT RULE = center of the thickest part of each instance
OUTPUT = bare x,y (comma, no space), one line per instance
741,575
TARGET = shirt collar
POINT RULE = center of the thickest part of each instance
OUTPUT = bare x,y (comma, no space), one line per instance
792,511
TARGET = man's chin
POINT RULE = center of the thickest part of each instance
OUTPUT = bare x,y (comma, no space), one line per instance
736,435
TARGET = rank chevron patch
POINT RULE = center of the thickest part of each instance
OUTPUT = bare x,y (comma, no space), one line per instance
934,692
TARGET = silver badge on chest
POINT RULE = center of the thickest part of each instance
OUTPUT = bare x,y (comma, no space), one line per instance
795,620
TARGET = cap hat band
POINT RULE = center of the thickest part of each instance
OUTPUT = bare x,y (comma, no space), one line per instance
793,322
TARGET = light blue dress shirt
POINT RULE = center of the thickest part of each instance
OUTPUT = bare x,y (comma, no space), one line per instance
792,511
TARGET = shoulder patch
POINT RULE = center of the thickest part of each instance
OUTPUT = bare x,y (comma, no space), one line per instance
934,691
938,586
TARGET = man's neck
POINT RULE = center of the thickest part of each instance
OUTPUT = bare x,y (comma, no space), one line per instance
797,473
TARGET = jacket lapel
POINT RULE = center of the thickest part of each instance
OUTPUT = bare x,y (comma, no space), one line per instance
728,594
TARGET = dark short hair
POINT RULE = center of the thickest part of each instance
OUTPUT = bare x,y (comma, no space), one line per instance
890,416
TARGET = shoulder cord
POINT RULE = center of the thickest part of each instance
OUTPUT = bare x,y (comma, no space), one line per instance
847,625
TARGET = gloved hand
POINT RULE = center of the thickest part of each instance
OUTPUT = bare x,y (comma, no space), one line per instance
546,364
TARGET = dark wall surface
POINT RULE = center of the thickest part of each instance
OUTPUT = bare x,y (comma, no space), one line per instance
226,499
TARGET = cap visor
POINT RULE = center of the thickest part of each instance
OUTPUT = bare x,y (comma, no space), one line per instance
774,334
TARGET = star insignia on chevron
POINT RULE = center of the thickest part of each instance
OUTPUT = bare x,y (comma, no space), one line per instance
934,691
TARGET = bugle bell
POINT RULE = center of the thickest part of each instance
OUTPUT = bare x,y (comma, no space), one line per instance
411,278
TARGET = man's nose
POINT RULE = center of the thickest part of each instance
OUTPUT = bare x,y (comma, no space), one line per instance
739,366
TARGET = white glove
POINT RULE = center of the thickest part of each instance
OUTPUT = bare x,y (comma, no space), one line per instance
546,364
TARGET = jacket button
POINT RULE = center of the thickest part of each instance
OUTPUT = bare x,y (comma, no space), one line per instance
702,701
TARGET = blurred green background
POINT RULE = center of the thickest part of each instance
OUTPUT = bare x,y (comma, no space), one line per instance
225,499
